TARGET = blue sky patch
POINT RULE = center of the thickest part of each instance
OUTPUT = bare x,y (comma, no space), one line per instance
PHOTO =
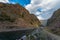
21,2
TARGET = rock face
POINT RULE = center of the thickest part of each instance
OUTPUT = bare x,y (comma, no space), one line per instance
16,16
54,23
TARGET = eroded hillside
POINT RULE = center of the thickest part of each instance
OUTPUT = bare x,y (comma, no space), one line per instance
54,23
16,16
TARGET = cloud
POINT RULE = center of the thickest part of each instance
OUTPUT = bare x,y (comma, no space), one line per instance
4,1
43,9
7,1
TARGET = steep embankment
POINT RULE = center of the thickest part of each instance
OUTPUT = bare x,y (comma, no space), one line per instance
16,16
54,23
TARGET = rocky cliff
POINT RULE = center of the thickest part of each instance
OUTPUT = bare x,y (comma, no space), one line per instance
16,16
53,24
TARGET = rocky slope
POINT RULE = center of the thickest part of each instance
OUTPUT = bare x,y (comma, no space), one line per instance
53,24
16,16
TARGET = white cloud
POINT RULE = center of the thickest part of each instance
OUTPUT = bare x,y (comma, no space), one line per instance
4,1
43,9
7,1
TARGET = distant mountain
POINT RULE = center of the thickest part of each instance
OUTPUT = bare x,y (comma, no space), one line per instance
53,24
16,16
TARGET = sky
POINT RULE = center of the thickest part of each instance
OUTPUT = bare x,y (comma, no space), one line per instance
43,9
21,2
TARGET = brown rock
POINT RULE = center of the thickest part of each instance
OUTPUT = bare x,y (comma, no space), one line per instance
16,16
54,23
